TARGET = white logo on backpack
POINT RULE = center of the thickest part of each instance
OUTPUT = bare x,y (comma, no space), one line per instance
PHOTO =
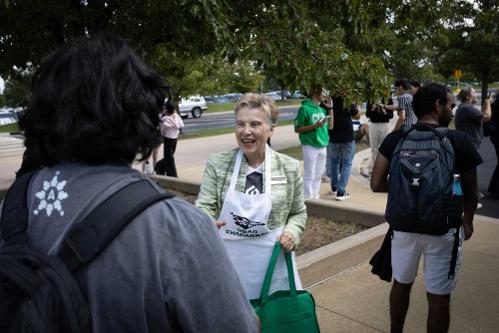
51,196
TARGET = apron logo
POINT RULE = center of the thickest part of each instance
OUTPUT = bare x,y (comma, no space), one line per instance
253,190
244,222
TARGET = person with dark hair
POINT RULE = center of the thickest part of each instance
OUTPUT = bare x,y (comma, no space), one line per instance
404,108
415,85
432,106
95,108
171,123
470,119
341,147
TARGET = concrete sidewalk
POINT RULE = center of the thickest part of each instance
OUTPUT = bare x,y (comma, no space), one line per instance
355,300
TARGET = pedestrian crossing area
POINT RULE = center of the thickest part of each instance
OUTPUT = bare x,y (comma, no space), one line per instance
11,146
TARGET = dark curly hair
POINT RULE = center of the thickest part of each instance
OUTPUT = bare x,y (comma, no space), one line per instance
424,100
95,100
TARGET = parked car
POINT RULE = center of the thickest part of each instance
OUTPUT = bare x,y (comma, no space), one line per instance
7,118
210,99
194,105
10,115
297,95
233,97
276,95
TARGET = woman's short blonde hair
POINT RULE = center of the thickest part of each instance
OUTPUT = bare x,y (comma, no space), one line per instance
259,101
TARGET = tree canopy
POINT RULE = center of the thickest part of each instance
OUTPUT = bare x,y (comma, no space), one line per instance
353,47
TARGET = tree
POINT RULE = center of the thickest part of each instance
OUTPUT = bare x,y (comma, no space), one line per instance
474,39
285,38
16,91
184,29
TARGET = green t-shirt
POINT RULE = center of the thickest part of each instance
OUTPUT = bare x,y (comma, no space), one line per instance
308,114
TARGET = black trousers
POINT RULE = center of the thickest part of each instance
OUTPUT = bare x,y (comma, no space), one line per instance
169,147
494,181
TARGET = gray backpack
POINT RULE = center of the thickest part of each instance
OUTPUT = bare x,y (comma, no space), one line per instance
420,197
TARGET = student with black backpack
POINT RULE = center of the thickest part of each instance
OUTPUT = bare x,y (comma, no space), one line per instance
423,169
88,244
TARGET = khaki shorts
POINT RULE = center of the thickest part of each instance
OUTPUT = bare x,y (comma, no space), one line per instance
407,249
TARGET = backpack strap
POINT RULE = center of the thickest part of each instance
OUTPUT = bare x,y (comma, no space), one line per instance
441,132
453,260
90,237
14,220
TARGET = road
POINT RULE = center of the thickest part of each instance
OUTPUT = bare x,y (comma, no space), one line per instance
226,119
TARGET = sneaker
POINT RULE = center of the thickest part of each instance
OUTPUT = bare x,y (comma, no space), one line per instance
334,190
342,196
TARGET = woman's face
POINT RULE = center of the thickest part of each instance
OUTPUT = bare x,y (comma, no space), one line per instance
252,132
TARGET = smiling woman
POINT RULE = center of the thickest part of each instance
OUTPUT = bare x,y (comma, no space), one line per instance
255,196
253,129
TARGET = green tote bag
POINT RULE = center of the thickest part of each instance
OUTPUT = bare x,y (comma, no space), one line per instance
285,311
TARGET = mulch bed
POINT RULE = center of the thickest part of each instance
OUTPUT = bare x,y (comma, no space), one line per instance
319,231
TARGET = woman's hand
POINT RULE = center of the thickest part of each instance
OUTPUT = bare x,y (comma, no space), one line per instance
220,224
287,242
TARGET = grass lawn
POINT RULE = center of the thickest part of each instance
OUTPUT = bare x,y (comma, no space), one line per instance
9,128
218,131
219,107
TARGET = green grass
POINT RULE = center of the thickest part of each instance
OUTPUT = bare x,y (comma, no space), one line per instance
294,152
221,107
10,128
219,131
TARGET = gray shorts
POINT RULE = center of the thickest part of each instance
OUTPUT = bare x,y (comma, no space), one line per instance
407,249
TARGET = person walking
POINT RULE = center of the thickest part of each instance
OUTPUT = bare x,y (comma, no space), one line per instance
171,123
424,207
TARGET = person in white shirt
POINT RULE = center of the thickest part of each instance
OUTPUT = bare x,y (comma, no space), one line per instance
171,123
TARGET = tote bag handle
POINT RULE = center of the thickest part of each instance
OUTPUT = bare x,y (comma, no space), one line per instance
264,294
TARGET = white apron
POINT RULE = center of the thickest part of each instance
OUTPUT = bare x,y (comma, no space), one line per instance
248,240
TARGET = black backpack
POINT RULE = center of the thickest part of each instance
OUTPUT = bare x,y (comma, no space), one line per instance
420,195
38,292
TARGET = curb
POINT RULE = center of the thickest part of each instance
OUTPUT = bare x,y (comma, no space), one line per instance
319,265
322,263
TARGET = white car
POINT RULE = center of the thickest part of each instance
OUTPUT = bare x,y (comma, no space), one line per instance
194,105
275,95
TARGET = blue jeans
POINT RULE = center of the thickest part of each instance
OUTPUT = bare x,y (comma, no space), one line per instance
340,157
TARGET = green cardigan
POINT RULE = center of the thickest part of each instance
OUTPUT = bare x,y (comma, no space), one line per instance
288,206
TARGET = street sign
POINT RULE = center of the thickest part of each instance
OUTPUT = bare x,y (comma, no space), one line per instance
458,74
